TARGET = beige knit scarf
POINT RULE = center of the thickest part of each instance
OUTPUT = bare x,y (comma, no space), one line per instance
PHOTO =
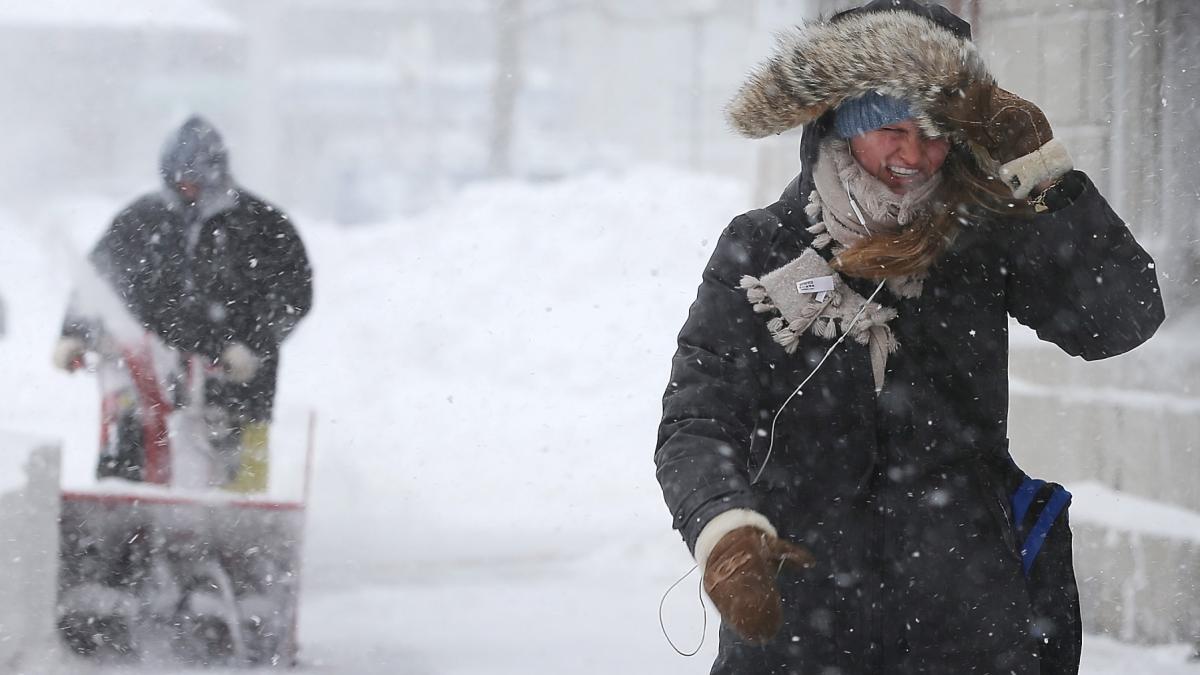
836,176
781,291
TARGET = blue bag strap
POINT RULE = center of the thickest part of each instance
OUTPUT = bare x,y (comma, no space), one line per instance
1023,497
1059,500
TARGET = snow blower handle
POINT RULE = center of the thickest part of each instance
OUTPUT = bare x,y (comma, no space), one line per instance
196,373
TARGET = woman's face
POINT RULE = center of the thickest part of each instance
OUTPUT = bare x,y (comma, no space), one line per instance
899,155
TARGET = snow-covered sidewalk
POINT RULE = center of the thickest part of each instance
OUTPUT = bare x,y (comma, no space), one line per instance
595,617
522,617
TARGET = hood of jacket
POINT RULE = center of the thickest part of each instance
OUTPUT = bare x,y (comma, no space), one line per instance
919,52
195,153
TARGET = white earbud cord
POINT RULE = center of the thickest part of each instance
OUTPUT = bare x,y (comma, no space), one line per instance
857,212
796,392
771,446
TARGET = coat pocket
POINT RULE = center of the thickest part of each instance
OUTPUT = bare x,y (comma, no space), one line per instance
996,500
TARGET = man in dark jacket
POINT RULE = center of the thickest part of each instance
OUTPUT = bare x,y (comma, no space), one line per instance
833,444
211,270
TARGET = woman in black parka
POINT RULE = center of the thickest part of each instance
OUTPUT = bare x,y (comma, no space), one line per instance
864,522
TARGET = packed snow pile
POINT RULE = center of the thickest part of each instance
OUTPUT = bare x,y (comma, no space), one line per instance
29,540
486,375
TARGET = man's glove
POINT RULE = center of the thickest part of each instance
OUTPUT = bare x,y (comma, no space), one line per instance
68,353
1013,132
239,362
739,576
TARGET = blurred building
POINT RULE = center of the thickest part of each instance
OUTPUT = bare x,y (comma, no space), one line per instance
361,109
355,110
83,80
348,110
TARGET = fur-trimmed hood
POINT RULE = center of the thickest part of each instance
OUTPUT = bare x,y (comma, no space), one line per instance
901,48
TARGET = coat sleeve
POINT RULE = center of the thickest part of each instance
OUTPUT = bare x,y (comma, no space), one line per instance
283,278
709,405
272,289
140,257
1077,277
117,259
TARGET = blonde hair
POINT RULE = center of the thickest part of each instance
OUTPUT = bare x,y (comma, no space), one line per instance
965,190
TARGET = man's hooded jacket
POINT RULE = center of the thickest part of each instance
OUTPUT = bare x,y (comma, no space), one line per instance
205,272
903,496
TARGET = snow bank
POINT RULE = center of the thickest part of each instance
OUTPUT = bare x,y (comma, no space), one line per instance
486,375
38,260
29,541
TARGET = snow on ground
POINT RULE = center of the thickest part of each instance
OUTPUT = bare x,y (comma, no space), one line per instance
486,380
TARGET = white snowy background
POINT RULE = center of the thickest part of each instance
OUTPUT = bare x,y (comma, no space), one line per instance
488,346
486,380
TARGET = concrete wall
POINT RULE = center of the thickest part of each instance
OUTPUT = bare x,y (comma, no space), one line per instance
1118,81
1135,586
1112,77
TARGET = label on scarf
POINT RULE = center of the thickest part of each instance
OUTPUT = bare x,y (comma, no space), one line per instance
815,285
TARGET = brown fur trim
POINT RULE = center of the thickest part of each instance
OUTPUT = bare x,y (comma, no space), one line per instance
820,64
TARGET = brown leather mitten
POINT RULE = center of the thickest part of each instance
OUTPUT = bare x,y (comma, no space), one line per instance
1013,132
999,121
739,576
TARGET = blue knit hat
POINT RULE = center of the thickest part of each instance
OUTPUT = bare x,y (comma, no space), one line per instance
868,112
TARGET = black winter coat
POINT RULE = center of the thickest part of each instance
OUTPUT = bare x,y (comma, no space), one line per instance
247,280
903,497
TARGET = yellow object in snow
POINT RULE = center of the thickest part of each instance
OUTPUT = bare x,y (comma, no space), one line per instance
252,472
